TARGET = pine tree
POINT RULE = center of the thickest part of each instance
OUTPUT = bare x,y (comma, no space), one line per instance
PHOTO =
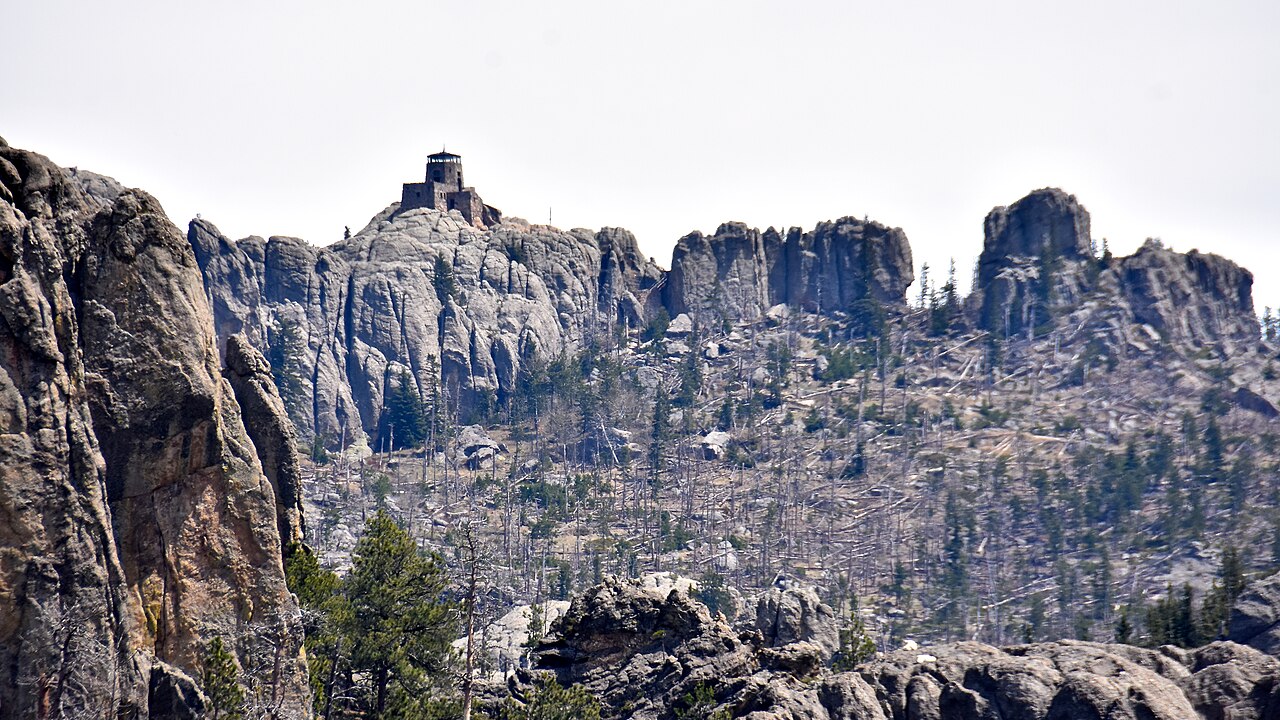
220,681
549,701
442,280
856,645
317,591
1124,629
398,623
404,415
285,349
661,432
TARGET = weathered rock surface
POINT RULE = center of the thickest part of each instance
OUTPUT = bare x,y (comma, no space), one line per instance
271,431
62,586
1037,264
796,614
137,522
739,273
423,293
643,649
1051,680
1034,261
722,274
1073,679
1193,298
1255,617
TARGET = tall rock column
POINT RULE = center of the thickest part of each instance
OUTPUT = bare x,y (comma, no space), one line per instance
69,621
195,518
1035,259
272,433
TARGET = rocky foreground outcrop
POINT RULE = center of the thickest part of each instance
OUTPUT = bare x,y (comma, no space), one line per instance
136,523
1255,618
739,272
646,652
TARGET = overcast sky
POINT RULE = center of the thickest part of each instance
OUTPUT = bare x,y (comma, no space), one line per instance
299,118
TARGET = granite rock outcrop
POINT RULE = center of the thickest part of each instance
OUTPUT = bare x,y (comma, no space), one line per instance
739,272
138,523
1038,266
648,652
1255,617
422,293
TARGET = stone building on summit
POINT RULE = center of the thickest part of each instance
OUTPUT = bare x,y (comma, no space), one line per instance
443,190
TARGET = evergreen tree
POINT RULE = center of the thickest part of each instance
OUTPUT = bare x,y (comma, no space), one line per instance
944,307
442,280
660,435
866,318
1124,629
713,592
220,681
398,624
285,350
856,645
549,701
317,590
955,579
1239,480
700,703
404,415
1211,460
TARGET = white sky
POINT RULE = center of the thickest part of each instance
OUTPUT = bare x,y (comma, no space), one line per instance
297,118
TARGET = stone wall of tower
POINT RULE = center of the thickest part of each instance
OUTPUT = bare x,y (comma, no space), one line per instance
445,174
417,195
468,203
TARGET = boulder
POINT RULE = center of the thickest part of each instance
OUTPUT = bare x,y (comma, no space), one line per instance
1255,617
796,614
715,445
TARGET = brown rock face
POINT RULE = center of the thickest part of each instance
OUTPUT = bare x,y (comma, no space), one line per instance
138,523
61,582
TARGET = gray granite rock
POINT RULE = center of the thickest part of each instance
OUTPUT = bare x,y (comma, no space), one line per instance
426,293
739,273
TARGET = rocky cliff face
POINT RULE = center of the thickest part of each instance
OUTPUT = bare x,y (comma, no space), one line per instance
1034,261
422,293
138,523
1037,266
1192,298
738,273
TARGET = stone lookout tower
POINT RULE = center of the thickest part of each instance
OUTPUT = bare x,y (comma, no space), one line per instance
443,190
